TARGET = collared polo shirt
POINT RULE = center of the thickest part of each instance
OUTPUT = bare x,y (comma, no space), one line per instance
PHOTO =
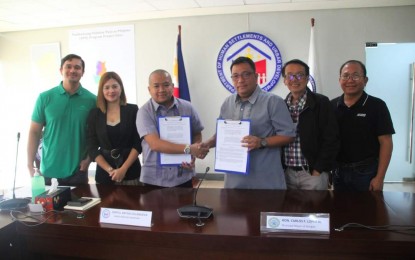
269,116
360,126
147,123
64,118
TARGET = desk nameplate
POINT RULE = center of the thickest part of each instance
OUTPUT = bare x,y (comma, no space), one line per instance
125,217
318,223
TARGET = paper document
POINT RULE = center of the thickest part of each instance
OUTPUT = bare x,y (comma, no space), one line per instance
175,130
230,155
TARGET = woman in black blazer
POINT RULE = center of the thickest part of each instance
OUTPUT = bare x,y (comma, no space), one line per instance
113,140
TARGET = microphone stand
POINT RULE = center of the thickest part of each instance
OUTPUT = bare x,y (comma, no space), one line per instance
194,210
14,203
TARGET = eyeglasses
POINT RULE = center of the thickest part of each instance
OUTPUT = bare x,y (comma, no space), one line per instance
298,76
243,75
354,77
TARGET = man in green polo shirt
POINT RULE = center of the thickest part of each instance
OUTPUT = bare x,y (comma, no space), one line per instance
62,113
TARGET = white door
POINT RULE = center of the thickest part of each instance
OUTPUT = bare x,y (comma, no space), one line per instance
390,72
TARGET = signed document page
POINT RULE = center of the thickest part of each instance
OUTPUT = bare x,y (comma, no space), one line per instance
175,130
230,156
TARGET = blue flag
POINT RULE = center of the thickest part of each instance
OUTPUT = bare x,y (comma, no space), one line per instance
181,88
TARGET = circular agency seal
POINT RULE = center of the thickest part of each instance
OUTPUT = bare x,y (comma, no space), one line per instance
260,49
106,213
312,83
273,222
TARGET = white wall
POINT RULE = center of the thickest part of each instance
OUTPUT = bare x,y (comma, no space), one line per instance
340,35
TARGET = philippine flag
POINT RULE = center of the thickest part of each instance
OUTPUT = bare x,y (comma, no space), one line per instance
181,88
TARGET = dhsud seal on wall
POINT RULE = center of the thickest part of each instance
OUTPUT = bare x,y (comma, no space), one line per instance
262,50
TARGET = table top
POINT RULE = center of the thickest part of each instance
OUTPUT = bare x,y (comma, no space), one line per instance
236,220
237,212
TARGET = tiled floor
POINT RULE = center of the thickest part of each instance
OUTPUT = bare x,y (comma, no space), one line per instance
402,186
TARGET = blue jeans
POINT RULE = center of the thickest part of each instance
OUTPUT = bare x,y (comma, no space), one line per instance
354,178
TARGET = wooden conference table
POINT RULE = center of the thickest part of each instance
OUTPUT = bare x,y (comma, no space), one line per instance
234,230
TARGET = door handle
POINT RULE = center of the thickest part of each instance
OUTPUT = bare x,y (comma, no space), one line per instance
411,124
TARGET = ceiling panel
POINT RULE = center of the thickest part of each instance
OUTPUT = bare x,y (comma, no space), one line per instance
17,15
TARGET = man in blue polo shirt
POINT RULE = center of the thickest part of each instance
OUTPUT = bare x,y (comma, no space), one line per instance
163,104
366,132
271,128
62,113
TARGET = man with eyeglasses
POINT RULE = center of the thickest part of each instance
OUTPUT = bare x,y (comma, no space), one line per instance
366,130
309,159
271,128
163,103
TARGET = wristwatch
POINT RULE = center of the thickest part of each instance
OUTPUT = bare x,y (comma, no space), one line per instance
263,143
186,149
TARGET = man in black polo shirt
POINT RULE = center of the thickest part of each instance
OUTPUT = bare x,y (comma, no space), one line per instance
366,132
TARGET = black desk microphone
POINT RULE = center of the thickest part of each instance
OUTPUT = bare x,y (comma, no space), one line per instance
14,203
194,210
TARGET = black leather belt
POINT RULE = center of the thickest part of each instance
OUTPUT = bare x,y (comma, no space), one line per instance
114,153
113,156
299,168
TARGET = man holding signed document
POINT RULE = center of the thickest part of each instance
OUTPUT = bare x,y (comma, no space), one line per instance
167,126
271,127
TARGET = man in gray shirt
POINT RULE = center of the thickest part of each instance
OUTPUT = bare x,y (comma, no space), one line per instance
163,103
271,128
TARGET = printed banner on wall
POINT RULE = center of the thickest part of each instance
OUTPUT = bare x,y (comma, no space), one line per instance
106,49
45,62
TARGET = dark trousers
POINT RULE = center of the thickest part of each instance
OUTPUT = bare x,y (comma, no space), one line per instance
79,177
355,176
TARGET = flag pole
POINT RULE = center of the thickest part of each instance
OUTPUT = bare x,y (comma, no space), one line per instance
312,62
176,90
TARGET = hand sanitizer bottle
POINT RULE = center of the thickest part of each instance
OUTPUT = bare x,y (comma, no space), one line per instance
38,184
